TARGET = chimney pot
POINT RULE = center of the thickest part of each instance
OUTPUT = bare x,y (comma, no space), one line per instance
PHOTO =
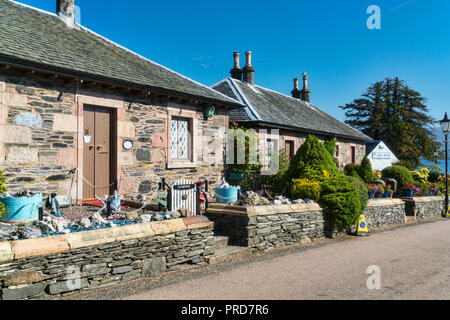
305,93
236,72
65,9
296,92
249,71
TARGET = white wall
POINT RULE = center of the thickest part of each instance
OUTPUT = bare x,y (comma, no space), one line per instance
381,157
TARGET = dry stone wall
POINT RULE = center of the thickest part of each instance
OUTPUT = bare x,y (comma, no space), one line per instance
61,265
265,227
424,208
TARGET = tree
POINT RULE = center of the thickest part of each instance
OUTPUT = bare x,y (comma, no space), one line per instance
392,112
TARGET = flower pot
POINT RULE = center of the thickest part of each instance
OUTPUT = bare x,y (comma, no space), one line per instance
236,176
370,194
427,194
436,192
408,193
386,194
22,208
226,195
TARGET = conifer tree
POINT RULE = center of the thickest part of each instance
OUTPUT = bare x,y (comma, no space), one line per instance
392,112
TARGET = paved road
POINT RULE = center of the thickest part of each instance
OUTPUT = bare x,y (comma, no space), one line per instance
414,262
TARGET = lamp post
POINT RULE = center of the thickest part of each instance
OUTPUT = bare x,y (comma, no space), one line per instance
445,125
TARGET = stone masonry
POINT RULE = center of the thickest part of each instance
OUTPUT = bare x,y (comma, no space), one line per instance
265,227
61,265
41,139
424,208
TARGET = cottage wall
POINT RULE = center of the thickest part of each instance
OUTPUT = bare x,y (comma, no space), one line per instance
345,145
41,138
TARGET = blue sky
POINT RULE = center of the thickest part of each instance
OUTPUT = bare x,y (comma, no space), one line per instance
326,38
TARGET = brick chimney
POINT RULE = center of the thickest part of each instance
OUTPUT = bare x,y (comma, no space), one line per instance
65,9
305,92
248,71
296,92
236,72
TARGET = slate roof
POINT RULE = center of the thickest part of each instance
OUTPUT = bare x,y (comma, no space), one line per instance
41,39
371,145
268,107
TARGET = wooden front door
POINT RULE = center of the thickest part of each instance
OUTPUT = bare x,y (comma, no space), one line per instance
97,153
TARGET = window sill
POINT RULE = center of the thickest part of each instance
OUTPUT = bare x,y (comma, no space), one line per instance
181,164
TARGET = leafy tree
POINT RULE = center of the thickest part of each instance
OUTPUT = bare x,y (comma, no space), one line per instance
392,112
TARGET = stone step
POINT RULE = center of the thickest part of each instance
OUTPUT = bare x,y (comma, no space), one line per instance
221,242
410,219
230,253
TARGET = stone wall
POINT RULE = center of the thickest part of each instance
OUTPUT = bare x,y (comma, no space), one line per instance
264,227
61,265
385,212
424,208
41,138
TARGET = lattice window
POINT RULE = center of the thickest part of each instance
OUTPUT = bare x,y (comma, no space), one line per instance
180,138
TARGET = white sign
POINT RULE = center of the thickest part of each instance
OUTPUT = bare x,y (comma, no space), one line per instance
381,155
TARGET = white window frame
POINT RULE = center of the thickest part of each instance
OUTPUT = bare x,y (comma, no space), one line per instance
179,112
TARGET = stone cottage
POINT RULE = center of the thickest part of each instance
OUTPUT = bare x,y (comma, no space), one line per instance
77,111
295,117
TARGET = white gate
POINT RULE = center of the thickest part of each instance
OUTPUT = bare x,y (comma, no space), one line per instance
183,195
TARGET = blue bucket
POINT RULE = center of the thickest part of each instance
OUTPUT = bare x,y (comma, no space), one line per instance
226,195
22,208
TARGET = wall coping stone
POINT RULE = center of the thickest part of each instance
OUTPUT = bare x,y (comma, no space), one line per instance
385,202
6,253
251,211
424,199
22,249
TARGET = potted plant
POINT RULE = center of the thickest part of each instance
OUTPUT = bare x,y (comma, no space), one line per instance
21,206
372,189
409,190
380,192
387,191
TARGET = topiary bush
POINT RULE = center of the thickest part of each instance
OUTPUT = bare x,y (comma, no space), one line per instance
312,161
305,188
362,192
3,189
399,173
340,201
365,171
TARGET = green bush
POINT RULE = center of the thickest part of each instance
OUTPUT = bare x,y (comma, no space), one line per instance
3,189
340,201
350,168
330,145
365,171
433,176
312,161
362,191
399,173
305,188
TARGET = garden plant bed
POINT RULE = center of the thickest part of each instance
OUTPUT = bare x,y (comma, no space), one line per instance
77,219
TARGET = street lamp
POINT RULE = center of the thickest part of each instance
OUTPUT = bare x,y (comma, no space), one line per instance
445,125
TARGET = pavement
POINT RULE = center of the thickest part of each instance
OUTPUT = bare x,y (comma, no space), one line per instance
408,262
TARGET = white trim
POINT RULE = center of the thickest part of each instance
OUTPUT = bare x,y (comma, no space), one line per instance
255,115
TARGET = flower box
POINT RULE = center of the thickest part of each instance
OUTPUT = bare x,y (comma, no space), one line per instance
23,208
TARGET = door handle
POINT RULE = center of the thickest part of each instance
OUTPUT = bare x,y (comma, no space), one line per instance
91,147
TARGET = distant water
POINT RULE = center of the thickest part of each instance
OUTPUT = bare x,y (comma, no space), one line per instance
441,164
